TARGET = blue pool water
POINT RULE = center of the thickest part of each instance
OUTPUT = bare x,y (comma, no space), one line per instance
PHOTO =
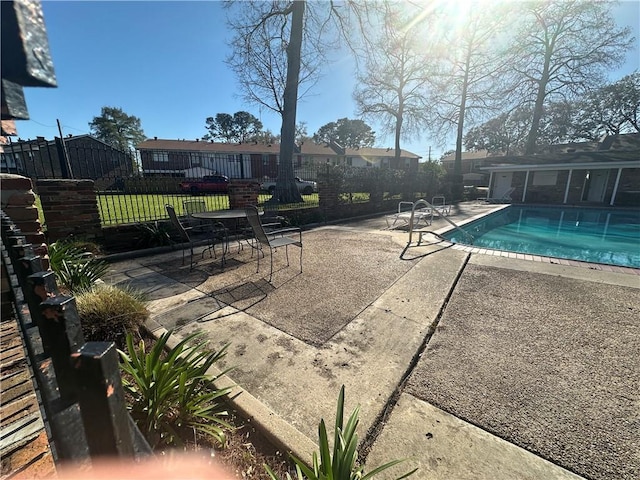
590,235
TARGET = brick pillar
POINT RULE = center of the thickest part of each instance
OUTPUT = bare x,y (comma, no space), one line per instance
329,182
19,202
243,193
70,208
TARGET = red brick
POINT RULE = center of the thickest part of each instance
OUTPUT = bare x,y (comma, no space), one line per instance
15,182
22,199
21,212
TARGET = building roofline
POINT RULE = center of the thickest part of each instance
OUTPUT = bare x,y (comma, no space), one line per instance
563,166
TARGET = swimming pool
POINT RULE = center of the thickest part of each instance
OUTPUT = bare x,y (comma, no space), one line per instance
586,234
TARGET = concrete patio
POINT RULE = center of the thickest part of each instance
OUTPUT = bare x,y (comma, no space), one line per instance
468,365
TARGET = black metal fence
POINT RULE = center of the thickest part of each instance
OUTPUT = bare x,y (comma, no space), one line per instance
79,383
126,193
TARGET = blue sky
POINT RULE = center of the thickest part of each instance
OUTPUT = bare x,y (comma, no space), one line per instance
163,62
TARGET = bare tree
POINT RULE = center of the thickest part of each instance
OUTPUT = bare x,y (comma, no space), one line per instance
470,66
281,42
272,60
562,49
612,109
392,88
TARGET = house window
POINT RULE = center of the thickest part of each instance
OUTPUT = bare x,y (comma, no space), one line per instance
160,156
265,159
8,160
549,177
196,160
350,161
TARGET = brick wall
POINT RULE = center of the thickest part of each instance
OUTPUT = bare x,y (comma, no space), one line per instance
243,193
19,202
70,209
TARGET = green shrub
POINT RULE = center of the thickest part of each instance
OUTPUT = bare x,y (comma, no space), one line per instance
172,393
74,267
154,234
107,313
342,463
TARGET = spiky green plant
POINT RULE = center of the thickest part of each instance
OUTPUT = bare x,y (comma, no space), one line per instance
75,269
154,234
173,392
342,464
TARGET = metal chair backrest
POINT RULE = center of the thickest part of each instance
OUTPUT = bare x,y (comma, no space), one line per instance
404,206
438,201
253,217
176,222
194,206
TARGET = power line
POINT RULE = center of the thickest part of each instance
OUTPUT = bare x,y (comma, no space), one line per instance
54,126
42,124
74,128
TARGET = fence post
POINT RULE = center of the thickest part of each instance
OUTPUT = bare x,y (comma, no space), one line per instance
101,398
62,338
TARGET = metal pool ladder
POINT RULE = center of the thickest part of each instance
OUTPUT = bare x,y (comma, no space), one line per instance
422,204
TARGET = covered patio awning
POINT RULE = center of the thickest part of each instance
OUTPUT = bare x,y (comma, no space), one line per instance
590,161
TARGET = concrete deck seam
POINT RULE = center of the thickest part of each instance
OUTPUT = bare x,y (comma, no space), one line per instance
378,424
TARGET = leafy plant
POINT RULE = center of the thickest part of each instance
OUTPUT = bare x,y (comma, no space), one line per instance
172,392
154,234
107,313
342,464
75,268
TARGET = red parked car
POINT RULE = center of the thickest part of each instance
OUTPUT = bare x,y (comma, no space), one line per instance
207,184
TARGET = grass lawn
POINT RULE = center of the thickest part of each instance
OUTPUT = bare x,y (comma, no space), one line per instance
130,208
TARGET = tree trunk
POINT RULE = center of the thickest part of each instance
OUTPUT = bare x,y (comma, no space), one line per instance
457,186
286,188
398,150
530,146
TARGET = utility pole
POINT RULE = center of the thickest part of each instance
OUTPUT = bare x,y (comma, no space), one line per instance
65,152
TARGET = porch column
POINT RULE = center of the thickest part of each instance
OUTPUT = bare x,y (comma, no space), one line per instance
566,190
490,185
526,183
615,187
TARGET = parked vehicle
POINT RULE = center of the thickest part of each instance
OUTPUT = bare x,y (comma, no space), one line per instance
305,187
206,184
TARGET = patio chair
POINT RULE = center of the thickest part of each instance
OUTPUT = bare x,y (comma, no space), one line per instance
424,215
273,239
504,198
440,206
270,221
195,206
183,232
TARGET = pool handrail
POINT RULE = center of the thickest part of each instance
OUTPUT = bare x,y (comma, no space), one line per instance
428,205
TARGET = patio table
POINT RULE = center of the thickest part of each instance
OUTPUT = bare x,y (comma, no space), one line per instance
221,215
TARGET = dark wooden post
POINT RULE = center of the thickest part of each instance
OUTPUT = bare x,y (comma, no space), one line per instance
63,337
101,398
